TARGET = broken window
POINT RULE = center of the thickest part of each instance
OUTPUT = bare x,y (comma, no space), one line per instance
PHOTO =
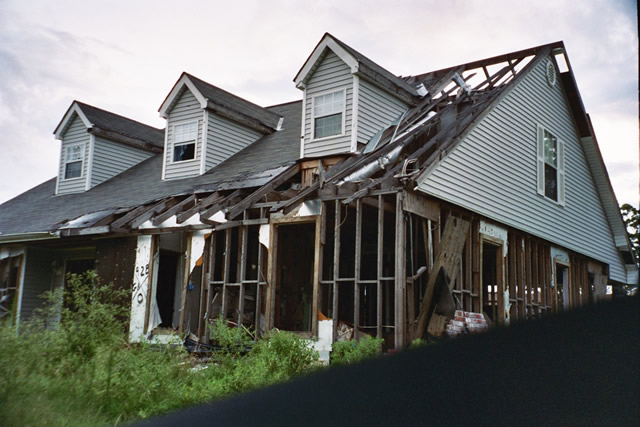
10,270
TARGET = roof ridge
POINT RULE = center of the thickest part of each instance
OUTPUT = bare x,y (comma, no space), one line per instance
84,104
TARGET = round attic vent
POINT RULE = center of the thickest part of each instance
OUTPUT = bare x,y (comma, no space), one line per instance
551,74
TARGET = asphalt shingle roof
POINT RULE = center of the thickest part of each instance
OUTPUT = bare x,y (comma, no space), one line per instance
122,125
39,210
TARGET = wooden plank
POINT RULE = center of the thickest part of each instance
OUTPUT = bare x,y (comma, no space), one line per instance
336,266
243,270
420,205
185,281
157,220
158,207
379,260
223,203
153,249
199,206
357,263
262,191
449,256
317,268
400,275
475,263
258,291
120,223
225,274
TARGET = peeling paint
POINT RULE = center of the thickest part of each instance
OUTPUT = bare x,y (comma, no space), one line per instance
496,232
140,288
198,239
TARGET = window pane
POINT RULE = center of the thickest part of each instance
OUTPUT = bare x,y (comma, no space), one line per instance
185,132
74,153
328,125
550,182
184,152
73,170
550,149
330,103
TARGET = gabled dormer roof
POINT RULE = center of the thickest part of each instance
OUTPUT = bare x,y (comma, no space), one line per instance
112,126
359,64
222,102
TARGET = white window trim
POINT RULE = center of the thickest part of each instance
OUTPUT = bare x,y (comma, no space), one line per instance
540,166
66,161
344,114
173,142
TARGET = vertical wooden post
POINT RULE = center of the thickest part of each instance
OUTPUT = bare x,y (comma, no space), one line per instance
400,274
317,266
258,290
272,260
153,248
336,266
476,263
356,284
379,264
185,281
225,277
244,231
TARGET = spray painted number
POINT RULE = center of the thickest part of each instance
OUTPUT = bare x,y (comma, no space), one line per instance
142,271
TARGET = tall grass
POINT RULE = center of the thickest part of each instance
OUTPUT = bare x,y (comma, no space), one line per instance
72,364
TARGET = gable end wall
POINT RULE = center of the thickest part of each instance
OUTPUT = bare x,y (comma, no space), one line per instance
76,133
493,172
376,110
111,158
186,109
331,74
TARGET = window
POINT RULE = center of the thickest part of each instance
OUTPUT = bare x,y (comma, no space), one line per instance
550,166
328,113
184,141
73,161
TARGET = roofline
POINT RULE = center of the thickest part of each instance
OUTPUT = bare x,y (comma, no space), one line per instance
183,80
28,237
73,108
327,41
492,60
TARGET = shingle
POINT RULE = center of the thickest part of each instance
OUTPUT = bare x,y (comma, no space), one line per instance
39,210
122,125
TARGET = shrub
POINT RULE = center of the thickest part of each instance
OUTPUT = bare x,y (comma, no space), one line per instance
348,352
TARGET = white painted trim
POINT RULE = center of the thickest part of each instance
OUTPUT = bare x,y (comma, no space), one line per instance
304,121
92,142
59,177
165,152
173,143
74,108
205,139
344,114
355,101
21,288
560,169
183,81
326,42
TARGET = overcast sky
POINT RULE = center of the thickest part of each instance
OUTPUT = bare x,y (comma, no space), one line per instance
124,56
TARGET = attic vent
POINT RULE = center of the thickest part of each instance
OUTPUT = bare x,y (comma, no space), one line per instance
551,74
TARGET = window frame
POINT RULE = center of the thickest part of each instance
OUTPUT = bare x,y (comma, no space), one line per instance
541,165
82,145
314,117
175,143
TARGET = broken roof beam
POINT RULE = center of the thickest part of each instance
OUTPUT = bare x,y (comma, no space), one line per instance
223,203
198,207
120,225
184,204
158,207
264,190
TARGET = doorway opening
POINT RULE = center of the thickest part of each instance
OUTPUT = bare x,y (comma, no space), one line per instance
490,280
167,279
294,281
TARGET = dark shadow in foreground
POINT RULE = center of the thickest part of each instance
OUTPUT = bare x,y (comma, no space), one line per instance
581,367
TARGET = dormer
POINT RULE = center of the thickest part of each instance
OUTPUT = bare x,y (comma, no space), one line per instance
347,99
97,145
206,125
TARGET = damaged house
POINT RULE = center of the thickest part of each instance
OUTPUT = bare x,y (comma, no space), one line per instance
376,205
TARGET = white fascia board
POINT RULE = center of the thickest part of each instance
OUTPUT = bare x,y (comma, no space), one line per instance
302,125
354,112
205,131
74,109
327,42
92,143
183,81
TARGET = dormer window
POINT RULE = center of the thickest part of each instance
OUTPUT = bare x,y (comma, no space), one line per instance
73,161
184,145
328,114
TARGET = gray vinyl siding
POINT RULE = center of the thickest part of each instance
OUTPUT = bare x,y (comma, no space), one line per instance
186,109
493,172
76,133
331,74
38,277
376,110
111,158
225,138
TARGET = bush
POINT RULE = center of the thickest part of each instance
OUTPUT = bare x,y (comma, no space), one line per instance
348,352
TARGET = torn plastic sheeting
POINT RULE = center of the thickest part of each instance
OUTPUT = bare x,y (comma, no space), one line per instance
264,234
197,247
310,208
89,219
371,168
